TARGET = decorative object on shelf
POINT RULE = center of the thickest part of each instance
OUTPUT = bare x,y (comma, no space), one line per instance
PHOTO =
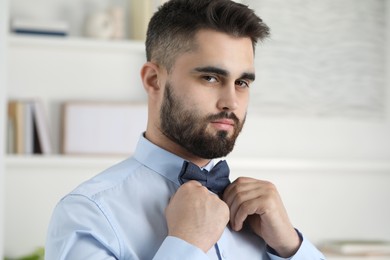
108,24
99,25
39,27
357,247
118,18
102,128
28,130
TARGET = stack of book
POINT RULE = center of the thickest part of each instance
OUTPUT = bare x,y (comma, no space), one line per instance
357,248
28,130
37,27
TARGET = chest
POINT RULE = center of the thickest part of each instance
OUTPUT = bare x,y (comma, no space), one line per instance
140,223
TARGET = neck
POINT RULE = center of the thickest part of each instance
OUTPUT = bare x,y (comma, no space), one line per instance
159,139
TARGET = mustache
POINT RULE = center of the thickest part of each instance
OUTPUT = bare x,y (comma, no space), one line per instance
224,115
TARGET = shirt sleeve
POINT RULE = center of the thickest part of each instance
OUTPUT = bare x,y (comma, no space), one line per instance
307,251
79,230
182,249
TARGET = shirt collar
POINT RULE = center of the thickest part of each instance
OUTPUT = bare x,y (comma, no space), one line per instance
161,161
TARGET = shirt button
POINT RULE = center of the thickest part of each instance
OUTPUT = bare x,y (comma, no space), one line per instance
223,254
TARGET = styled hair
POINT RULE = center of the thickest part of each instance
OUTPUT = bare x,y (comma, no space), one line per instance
173,27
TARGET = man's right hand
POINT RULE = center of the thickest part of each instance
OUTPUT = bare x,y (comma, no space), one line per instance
196,215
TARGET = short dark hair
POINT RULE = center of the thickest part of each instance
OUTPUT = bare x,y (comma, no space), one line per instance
172,29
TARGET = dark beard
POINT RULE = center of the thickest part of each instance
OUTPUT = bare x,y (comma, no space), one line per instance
188,129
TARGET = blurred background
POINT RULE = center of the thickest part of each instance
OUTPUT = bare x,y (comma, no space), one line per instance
318,124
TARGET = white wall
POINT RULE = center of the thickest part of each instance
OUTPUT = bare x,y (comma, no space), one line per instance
307,132
3,28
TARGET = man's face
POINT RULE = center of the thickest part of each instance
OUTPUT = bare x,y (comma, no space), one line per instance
206,95
187,127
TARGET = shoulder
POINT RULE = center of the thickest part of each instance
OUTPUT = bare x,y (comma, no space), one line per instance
125,183
109,179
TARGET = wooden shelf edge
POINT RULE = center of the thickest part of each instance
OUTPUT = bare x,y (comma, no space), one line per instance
15,40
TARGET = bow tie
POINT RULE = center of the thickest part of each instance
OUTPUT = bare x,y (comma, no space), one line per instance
216,180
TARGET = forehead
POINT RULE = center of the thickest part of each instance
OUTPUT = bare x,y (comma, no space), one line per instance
212,48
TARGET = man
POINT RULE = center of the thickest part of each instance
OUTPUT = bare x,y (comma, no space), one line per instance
200,65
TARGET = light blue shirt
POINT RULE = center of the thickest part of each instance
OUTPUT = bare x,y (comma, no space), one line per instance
119,214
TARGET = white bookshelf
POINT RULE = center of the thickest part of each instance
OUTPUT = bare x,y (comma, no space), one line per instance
55,70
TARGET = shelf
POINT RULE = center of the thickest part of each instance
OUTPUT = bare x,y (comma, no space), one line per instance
60,161
248,164
15,40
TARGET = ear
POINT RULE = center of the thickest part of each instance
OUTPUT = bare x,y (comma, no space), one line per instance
151,77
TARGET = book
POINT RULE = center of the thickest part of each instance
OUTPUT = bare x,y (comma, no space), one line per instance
43,143
10,136
28,130
357,247
38,27
16,119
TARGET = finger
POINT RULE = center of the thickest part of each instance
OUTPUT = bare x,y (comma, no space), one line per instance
192,183
238,181
243,190
246,209
238,188
188,188
244,204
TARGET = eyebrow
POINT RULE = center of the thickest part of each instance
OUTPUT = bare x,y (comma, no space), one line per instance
225,73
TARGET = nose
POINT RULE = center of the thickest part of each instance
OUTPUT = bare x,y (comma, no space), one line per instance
228,99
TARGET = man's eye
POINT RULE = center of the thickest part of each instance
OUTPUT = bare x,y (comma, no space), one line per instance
210,79
242,84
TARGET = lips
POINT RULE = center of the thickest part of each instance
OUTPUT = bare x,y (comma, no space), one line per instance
224,122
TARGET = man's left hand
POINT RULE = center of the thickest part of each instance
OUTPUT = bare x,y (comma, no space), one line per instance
259,203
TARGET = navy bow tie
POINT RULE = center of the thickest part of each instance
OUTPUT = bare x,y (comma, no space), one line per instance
216,180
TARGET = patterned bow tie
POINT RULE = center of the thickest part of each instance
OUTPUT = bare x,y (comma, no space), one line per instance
216,180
